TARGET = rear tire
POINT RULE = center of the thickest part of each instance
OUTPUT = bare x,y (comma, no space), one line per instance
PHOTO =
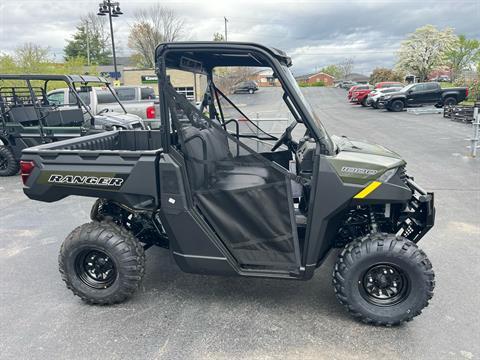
383,279
450,101
102,263
8,165
363,102
397,105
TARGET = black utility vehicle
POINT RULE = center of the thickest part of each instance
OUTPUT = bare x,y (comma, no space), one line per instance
429,93
248,86
198,188
29,116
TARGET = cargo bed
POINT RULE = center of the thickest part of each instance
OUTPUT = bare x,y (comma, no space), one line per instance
98,166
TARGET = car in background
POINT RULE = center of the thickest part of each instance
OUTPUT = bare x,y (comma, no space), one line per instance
359,94
442,78
347,84
137,100
429,93
248,86
388,84
376,94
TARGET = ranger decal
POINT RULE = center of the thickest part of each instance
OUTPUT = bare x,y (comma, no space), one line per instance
85,180
359,171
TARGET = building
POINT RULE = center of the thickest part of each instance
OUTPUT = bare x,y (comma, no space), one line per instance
265,78
184,82
317,77
358,78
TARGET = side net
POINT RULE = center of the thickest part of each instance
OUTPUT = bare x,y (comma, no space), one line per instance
244,197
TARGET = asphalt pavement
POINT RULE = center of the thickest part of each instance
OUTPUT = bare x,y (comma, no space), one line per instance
183,316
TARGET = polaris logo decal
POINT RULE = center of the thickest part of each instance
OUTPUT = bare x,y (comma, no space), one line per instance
359,171
85,180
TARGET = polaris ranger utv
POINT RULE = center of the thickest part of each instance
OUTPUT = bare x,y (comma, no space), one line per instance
226,197
29,116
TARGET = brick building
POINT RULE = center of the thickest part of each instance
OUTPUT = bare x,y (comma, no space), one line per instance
315,78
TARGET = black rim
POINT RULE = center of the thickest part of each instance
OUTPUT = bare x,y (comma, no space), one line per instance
96,269
398,106
384,284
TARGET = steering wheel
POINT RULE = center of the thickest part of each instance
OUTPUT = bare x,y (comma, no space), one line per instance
286,137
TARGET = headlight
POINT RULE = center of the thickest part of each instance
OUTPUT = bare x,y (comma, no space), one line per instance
387,175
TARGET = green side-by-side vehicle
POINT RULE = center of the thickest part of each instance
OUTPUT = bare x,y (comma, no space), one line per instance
198,188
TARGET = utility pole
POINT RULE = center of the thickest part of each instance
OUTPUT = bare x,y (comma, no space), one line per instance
226,32
475,140
88,42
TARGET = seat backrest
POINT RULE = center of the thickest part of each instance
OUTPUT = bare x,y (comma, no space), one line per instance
23,114
203,149
64,117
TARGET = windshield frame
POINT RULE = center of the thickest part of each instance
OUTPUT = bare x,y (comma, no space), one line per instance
312,120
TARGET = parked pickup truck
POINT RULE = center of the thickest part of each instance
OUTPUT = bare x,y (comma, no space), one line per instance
429,93
137,100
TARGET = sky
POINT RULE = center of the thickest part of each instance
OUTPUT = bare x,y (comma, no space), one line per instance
313,33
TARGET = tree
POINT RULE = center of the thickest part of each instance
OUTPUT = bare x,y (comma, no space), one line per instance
462,55
218,37
332,70
424,50
346,67
89,41
31,58
153,26
7,64
384,74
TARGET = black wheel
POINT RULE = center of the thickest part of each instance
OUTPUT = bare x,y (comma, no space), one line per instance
8,165
102,263
363,102
449,101
397,105
383,279
375,105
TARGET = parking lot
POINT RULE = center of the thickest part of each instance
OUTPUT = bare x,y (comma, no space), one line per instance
182,316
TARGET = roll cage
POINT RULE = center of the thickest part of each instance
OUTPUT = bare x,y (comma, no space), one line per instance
204,57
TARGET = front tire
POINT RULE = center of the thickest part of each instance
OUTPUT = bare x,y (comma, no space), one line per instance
102,263
8,165
450,101
251,91
397,105
383,279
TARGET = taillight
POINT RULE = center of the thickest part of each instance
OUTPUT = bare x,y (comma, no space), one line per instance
151,112
26,168
466,93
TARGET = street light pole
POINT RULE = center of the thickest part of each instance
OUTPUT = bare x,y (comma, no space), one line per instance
113,40
113,10
226,21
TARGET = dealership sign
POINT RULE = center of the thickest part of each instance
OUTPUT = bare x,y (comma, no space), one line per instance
149,79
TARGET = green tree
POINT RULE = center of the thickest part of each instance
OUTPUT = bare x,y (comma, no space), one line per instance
7,64
424,50
384,74
462,55
332,70
88,43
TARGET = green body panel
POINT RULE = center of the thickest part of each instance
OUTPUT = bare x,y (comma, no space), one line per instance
360,162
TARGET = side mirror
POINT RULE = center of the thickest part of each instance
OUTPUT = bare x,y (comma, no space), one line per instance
410,91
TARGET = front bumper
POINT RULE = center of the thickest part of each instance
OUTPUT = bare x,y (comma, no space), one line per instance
419,215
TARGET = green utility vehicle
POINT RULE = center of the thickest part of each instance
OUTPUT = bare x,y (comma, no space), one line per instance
226,197
30,116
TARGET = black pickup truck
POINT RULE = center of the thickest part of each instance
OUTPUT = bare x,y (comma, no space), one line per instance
429,93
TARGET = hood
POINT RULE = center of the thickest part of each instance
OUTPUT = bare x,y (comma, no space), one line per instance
127,121
359,162
345,144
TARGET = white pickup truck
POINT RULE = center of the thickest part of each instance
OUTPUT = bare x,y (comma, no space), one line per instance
137,100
